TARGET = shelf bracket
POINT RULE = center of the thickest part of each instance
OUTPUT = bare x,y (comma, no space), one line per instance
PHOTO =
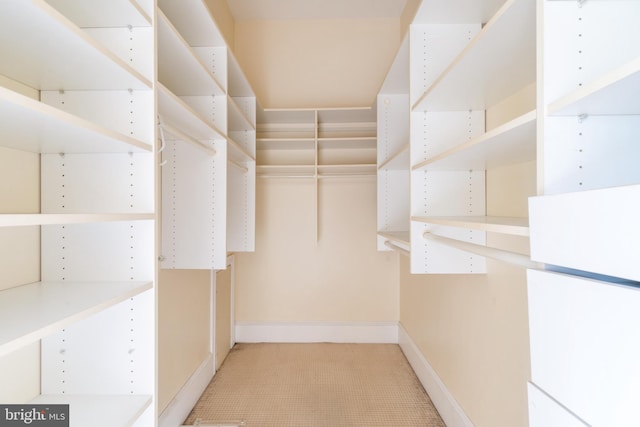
486,251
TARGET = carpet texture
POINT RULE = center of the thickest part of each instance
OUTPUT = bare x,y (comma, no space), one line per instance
316,385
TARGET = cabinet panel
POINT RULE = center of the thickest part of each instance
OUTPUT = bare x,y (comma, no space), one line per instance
585,345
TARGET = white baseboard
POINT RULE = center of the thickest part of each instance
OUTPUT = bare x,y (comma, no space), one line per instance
182,404
307,332
450,411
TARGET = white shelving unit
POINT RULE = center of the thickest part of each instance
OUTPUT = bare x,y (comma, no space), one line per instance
207,116
587,200
91,66
460,59
316,143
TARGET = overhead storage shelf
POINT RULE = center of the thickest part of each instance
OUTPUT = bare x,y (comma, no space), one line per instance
495,224
498,62
113,410
59,55
16,220
179,68
31,312
33,126
178,114
92,13
614,93
511,143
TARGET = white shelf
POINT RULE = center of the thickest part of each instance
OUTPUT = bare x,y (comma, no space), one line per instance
238,153
94,14
193,20
349,142
286,171
498,62
513,142
398,161
238,120
505,225
16,220
43,49
179,68
346,170
400,237
285,143
31,312
614,93
177,113
99,410
33,126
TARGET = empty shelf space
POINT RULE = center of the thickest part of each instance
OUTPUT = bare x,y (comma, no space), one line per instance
179,67
94,14
193,20
286,143
398,161
346,170
349,142
31,312
43,49
512,143
495,224
613,93
99,410
30,125
16,220
496,63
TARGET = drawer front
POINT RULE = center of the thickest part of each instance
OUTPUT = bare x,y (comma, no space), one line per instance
585,346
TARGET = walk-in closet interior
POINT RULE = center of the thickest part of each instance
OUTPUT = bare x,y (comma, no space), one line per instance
458,178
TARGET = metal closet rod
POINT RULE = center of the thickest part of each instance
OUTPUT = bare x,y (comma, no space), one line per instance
396,247
178,133
486,251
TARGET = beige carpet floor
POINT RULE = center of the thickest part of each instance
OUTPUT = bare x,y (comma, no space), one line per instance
316,385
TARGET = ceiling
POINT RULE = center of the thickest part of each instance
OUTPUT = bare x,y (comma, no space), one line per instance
244,10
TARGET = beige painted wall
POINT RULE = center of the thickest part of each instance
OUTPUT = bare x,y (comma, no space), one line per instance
316,63
341,278
184,333
474,329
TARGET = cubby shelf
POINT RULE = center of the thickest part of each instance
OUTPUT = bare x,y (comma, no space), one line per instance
99,410
59,55
37,127
505,225
511,143
498,62
613,93
179,67
33,311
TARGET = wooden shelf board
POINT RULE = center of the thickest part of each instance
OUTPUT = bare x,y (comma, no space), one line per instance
94,14
17,220
401,237
179,68
505,225
193,20
613,93
30,125
31,312
398,161
175,112
99,410
43,49
498,62
513,142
